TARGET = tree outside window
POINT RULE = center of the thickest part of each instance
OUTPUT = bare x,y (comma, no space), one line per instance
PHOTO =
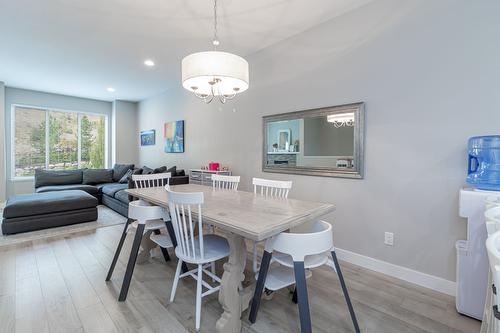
75,140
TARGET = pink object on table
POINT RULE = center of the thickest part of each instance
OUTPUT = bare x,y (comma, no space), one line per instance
213,166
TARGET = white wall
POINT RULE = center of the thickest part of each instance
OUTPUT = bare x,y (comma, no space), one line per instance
2,142
125,136
429,73
41,99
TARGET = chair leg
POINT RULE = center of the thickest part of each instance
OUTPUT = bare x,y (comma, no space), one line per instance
131,262
118,250
264,267
176,280
199,278
171,233
346,293
300,284
254,261
164,251
294,297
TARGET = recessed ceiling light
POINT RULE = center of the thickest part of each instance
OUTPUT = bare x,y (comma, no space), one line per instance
110,89
149,62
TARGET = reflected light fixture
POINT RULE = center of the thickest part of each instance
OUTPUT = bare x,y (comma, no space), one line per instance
149,63
110,89
341,119
215,74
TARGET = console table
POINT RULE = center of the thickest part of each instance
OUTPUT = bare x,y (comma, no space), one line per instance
204,177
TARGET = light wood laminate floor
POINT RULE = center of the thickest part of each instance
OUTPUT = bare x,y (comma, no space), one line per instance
57,285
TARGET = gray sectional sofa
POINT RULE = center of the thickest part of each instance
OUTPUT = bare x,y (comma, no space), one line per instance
107,185
71,196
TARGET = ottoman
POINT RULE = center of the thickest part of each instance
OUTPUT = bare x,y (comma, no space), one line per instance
28,212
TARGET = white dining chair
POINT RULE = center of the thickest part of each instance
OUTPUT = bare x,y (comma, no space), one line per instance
493,250
223,182
272,188
268,188
200,250
147,220
492,201
297,254
492,219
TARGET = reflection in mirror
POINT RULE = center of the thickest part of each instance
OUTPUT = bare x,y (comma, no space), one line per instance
323,142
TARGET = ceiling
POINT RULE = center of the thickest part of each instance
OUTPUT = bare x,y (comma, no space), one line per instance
81,47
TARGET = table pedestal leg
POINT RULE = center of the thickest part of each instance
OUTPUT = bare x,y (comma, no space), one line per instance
146,246
233,298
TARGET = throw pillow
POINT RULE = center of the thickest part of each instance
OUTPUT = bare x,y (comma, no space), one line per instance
126,176
97,176
160,169
119,170
146,170
172,170
180,173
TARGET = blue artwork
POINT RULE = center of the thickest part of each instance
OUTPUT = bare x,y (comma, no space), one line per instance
148,138
173,133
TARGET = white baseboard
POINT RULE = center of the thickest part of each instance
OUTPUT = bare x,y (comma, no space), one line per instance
400,272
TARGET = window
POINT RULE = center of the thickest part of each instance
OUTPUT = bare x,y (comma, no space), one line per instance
57,140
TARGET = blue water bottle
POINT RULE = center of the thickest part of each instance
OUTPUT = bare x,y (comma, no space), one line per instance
484,162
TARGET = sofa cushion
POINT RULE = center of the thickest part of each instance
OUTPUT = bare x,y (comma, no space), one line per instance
96,176
111,189
47,202
87,188
122,196
57,177
119,170
101,186
180,173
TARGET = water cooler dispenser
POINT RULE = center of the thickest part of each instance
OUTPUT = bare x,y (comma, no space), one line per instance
472,260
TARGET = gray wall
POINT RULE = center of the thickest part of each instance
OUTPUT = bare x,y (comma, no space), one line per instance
430,76
321,138
125,137
48,100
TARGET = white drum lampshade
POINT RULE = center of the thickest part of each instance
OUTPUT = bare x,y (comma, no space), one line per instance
214,73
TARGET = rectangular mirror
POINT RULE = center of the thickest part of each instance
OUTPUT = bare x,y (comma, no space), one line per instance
325,142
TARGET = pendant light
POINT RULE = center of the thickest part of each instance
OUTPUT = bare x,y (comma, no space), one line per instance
215,74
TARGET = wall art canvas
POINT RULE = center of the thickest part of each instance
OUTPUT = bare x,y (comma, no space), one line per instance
173,133
148,138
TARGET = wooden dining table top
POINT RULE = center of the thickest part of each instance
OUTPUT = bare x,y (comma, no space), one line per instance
250,215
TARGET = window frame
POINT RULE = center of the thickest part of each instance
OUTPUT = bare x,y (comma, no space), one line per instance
47,110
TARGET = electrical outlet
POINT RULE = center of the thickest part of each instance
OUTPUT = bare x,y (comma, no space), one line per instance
389,239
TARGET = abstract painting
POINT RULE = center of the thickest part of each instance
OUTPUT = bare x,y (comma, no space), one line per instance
148,138
173,133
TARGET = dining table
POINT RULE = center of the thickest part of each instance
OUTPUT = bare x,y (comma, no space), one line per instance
240,215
